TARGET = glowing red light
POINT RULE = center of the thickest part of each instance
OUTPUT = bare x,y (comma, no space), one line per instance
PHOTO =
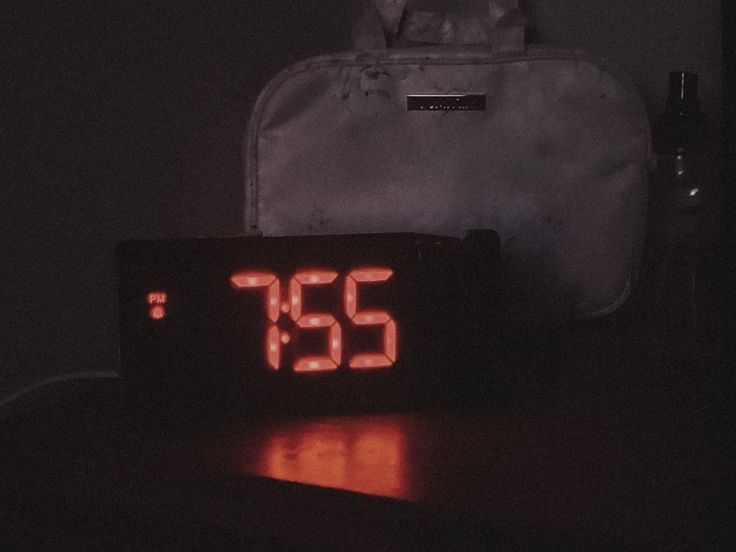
255,280
295,299
157,312
156,299
390,340
315,277
366,318
371,274
336,343
370,318
315,321
373,455
251,280
314,364
273,347
369,361
351,296
293,305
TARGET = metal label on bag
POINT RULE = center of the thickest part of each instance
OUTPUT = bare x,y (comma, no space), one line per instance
446,102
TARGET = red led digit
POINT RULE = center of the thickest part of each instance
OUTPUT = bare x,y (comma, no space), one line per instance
255,280
315,321
250,280
370,318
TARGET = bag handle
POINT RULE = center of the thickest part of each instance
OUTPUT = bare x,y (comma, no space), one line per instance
502,28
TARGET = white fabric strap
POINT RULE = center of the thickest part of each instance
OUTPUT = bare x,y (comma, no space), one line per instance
502,28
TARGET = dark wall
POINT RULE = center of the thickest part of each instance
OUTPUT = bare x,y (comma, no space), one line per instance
729,116
124,120
649,38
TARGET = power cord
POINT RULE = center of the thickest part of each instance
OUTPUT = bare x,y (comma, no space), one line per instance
100,374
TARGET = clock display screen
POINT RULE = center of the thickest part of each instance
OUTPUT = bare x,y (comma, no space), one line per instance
292,318
301,322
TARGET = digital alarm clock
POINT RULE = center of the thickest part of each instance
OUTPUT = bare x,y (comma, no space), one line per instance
306,323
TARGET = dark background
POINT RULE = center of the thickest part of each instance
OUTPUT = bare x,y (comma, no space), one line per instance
124,120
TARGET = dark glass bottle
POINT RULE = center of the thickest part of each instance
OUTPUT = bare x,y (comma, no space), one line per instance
679,221
680,142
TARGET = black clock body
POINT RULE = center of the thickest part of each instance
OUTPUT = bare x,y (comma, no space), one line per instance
399,320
